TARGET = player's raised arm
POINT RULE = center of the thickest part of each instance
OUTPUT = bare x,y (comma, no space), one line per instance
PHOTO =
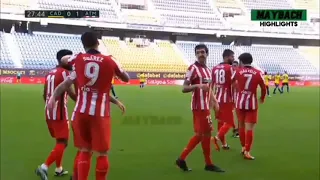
120,73
70,91
72,94
263,88
64,86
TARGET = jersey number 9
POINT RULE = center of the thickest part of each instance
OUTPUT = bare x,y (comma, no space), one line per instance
91,71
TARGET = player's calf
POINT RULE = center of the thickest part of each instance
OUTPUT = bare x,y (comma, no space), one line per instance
102,166
84,163
248,140
61,145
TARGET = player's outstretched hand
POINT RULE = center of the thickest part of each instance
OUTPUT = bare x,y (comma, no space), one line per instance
204,87
121,106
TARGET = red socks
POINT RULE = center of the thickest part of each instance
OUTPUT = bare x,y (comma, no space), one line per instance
206,148
56,155
249,139
194,141
60,151
223,131
220,124
242,134
84,161
75,166
102,167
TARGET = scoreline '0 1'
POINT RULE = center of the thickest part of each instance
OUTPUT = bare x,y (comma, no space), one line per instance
62,14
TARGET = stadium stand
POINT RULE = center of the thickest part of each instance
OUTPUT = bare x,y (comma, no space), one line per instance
312,54
215,51
139,17
5,59
311,5
39,50
270,4
276,59
233,4
188,13
18,5
157,57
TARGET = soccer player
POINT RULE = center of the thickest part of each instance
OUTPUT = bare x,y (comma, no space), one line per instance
267,78
142,79
285,81
248,79
277,78
235,131
198,78
112,89
57,119
93,73
18,77
221,80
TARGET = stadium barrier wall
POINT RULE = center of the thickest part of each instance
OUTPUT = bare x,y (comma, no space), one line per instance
41,80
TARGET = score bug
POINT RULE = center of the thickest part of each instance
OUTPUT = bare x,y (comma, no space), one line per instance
62,14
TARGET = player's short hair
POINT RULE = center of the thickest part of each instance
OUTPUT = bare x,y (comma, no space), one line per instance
235,62
227,52
89,39
201,46
246,58
63,52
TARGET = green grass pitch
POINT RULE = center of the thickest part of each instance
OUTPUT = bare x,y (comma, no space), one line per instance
286,141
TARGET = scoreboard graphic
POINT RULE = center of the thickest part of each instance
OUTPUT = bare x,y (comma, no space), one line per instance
62,14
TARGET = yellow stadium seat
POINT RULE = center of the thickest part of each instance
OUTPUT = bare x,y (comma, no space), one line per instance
312,54
160,57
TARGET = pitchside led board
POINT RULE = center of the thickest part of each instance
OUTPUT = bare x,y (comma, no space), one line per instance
279,17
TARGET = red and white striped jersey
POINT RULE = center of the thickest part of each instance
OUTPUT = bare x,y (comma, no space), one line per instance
52,80
248,79
221,80
234,89
199,74
71,63
93,73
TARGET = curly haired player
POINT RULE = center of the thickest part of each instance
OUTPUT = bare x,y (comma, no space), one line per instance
248,79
